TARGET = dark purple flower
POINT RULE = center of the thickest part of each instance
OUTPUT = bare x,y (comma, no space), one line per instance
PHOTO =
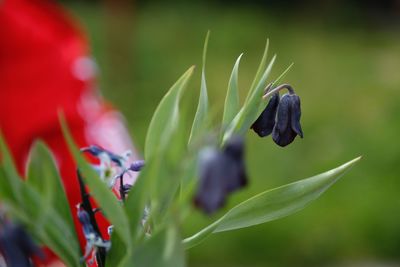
281,116
221,172
234,150
265,122
211,190
287,125
17,246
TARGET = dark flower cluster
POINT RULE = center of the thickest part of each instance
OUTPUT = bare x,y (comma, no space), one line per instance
221,172
281,117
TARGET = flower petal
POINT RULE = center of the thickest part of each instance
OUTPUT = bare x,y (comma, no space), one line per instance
285,138
295,115
283,116
265,122
211,191
236,172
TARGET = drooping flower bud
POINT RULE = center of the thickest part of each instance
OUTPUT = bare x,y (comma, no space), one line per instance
287,125
221,172
264,124
234,150
211,188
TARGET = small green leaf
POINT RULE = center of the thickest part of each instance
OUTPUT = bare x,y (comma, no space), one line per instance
117,251
283,74
5,192
273,204
232,105
108,202
5,188
200,118
139,197
12,185
259,72
165,118
163,249
43,175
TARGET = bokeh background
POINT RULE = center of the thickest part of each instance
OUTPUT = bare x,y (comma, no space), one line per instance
346,69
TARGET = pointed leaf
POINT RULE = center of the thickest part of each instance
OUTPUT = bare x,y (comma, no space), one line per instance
138,198
117,251
11,185
273,204
163,249
259,72
283,74
165,118
45,178
232,105
200,119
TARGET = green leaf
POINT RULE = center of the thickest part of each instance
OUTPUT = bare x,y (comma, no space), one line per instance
63,242
49,227
200,119
232,105
165,118
5,188
24,202
138,198
117,251
163,249
5,192
273,204
259,72
249,112
43,176
283,74
11,186
108,202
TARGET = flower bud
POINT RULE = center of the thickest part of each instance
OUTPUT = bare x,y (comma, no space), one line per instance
264,124
287,125
221,172
211,189
234,150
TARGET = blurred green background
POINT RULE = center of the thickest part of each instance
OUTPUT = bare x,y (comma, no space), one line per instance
346,70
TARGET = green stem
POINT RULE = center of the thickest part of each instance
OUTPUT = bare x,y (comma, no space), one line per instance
197,238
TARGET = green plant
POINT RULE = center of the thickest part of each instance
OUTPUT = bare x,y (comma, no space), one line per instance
147,226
